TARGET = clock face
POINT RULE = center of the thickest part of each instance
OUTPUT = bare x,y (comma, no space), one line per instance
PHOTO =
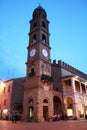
44,52
32,52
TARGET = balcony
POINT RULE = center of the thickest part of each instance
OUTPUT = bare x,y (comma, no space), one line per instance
46,78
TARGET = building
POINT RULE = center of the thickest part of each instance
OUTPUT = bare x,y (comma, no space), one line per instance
11,97
50,88
74,88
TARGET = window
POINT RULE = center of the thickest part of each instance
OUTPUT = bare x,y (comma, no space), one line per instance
4,102
34,38
4,90
43,38
45,101
44,15
43,24
30,101
34,24
32,73
8,89
32,70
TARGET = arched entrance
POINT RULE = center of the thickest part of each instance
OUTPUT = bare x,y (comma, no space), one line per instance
45,109
57,105
30,112
69,106
30,109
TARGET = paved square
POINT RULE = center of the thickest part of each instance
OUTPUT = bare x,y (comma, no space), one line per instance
61,125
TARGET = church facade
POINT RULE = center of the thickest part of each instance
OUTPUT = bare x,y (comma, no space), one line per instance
49,88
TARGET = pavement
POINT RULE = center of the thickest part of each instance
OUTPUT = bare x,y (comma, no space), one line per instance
58,125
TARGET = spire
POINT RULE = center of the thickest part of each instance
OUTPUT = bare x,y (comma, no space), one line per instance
39,11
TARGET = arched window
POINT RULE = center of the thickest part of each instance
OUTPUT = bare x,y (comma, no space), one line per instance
43,24
34,38
44,15
30,101
43,38
34,24
45,101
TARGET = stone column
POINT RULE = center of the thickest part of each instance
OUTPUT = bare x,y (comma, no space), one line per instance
51,106
75,105
86,88
80,88
73,85
40,112
64,104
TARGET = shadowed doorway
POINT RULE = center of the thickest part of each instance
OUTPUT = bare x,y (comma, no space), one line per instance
45,109
57,105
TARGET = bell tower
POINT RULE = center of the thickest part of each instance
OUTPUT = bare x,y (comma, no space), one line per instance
38,61
38,66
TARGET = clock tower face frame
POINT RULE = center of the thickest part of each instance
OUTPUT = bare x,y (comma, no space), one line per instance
44,52
32,52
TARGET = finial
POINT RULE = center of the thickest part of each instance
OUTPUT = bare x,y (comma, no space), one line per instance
39,4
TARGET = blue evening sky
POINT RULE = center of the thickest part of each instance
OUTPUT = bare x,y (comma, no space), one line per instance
68,29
